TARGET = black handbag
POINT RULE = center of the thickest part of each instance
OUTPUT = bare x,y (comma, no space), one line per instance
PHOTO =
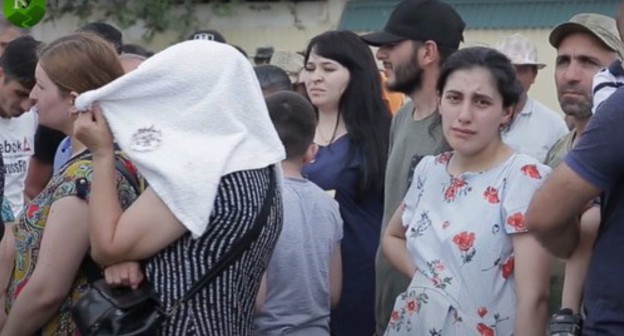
106,311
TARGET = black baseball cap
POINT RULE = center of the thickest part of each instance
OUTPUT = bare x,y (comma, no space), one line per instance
210,35
421,20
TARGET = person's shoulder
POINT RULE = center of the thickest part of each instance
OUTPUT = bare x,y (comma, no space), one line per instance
25,123
440,159
528,165
405,111
615,70
77,168
615,100
314,196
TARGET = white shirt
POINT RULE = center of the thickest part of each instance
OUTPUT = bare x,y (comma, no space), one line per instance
17,145
605,82
535,130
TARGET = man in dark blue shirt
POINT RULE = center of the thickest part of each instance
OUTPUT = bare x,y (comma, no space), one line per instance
595,166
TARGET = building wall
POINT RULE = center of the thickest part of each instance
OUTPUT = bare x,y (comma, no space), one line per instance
289,26
284,25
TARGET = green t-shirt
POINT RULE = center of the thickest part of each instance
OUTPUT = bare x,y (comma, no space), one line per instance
560,149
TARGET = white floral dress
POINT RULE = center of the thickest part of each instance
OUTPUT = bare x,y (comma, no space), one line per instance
459,237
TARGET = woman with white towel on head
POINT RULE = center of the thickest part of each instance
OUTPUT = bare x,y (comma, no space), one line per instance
193,120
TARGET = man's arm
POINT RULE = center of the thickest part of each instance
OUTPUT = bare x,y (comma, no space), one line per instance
553,216
594,165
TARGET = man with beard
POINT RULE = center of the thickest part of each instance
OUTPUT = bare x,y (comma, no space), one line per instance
585,44
416,40
582,50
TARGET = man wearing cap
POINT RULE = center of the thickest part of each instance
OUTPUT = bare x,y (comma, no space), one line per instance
208,35
535,128
593,166
416,40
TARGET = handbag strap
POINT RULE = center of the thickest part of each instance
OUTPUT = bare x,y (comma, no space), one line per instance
239,247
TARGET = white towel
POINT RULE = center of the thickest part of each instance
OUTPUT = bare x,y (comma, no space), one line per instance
187,116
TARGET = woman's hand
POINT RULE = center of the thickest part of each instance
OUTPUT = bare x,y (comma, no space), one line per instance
92,130
125,274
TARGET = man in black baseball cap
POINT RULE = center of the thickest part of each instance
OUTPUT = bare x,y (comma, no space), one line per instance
416,40
421,20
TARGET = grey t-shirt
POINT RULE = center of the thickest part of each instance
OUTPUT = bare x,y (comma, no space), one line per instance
298,301
410,141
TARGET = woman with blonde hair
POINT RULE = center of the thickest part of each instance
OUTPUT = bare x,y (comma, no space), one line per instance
52,235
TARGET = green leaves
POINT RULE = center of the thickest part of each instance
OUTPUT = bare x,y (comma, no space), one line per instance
156,16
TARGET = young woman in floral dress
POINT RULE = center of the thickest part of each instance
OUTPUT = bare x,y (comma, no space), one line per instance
460,233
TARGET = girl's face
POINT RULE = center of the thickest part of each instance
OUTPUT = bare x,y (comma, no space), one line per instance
472,111
52,105
326,80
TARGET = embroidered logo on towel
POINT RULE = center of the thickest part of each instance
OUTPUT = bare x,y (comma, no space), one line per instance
146,139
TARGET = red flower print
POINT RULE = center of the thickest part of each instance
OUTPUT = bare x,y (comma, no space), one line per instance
531,171
439,267
412,306
491,195
452,190
32,209
445,225
449,194
458,183
485,330
436,281
482,311
395,316
464,240
508,267
443,158
517,221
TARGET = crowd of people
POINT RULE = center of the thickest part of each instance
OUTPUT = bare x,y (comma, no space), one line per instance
431,197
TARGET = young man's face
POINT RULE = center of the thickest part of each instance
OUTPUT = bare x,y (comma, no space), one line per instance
401,66
14,100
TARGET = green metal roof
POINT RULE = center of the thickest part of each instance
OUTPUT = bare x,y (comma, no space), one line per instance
369,15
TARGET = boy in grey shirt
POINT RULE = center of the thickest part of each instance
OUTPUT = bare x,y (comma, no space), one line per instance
304,276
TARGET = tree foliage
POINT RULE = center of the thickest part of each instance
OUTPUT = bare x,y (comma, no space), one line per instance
156,16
